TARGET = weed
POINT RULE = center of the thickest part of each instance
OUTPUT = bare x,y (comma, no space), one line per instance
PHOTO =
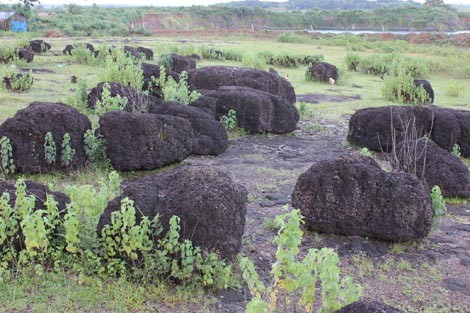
79,98
438,205
366,152
402,89
93,146
18,81
49,149
292,276
229,120
456,151
6,151
175,91
80,54
109,103
67,151
121,68
454,89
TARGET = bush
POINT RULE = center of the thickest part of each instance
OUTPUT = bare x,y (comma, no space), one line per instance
352,61
402,90
175,91
79,98
454,89
120,68
18,81
81,55
298,278
109,103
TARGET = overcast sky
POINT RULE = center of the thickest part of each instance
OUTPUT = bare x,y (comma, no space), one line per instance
160,2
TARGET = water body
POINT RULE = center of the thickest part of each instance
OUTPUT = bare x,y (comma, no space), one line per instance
395,32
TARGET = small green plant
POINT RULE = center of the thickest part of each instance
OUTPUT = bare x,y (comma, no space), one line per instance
6,150
454,89
67,151
121,68
294,277
401,89
456,151
352,61
49,149
175,91
18,81
438,205
365,152
166,61
79,98
93,146
109,103
81,54
229,120
302,108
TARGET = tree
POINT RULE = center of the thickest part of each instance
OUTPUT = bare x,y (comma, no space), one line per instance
434,3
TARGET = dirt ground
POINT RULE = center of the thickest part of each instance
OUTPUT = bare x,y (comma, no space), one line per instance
430,275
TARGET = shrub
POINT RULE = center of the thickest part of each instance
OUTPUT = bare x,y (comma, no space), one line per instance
109,103
79,98
293,277
67,151
166,61
175,91
438,205
7,165
94,147
81,55
49,149
18,81
401,89
7,54
352,61
120,68
229,120
454,89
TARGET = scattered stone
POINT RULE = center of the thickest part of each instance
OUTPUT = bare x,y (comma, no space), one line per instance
39,46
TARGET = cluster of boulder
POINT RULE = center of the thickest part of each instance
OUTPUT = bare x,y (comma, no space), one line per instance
419,138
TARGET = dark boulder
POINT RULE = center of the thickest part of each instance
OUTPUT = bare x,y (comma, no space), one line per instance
257,111
195,57
132,52
39,46
214,77
205,103
211,206
434,166
27,130
378,129
136,101
141,141
451,127
25,54
180,63
353,196
369,307
210,135
322,71
148,53
427,87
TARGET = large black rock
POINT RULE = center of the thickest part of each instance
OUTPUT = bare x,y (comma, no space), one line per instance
353,196
434,166
39,46
27,130
322,71
136,141
25,54
212,207
68,48
180,63
257,111
214,77
152,70
210,136
427,87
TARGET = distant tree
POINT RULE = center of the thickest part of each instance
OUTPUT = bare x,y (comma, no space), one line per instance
434,3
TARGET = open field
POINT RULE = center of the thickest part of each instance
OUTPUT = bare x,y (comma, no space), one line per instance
425,276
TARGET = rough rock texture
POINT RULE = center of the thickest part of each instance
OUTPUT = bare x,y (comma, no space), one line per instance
322,71
427,86
139,52
27,130
214,77
369,307
210,136
353,196
212,207
451,127
136,101
132,51
142,141
39,46
434,166
372,127
257,111
25,54
180,63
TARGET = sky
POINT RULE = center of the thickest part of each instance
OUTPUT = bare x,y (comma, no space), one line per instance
162,2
